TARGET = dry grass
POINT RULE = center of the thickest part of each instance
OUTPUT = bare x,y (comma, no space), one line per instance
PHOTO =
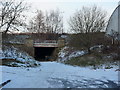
8,61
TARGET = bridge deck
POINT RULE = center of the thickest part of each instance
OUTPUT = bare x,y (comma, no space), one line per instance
45,45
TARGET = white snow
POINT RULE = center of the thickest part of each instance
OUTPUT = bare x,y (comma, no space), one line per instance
14,42
77,53
65,54
14,53
96,46
57,75
64,36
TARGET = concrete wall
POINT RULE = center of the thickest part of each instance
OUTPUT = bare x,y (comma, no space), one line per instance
29,46
29,42
61,42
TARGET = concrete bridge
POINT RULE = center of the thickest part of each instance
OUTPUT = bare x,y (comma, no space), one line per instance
45,49
46,43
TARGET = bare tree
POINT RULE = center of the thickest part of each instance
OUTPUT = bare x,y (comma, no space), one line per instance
11,15
50,23
88,21
54,21
37,24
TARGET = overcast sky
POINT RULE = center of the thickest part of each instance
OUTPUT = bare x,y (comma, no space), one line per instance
68,7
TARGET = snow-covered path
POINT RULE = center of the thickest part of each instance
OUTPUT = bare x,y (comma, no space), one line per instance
57,75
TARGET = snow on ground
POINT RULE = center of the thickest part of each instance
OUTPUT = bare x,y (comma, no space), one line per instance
21,56
65,54
57,75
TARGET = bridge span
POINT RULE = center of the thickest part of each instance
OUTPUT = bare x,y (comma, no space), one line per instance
46,43
45,49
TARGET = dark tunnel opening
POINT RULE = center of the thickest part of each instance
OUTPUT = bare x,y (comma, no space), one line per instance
44,53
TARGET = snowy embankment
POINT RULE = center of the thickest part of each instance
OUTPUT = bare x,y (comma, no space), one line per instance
57,75
66,54
21,57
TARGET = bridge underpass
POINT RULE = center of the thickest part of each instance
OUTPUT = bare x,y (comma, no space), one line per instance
45,51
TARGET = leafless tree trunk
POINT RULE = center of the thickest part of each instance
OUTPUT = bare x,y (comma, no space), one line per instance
54,22
11,15
50,23
37,24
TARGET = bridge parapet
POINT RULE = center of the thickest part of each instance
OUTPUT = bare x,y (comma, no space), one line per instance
49,43
45,41
45,45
